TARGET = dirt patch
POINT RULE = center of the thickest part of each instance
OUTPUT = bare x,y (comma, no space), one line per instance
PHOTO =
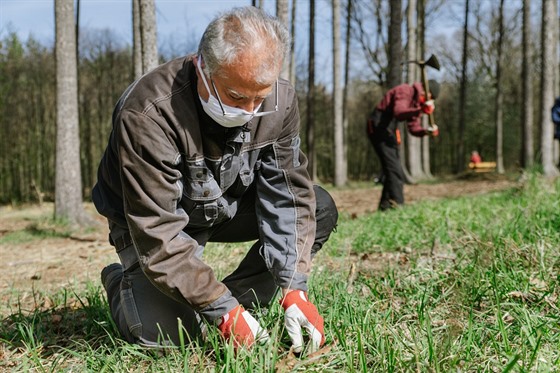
365,200
62,260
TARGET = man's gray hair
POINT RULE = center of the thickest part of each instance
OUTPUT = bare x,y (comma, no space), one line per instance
245,30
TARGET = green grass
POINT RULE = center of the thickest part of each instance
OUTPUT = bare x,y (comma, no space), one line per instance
464,284
38,229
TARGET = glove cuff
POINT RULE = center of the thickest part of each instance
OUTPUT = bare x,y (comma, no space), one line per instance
224,321
293,296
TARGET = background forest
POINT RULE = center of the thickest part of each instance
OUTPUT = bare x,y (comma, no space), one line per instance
499,78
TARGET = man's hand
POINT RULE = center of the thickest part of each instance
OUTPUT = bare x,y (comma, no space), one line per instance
428,107
433,130
301,313
242,327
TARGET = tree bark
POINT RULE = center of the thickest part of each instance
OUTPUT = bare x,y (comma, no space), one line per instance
461,159
312,166
414,144
527,157
549,41
68,183
424,152
346,79
148,32
499,93
340,169
282,15
394,75
136,40
292,71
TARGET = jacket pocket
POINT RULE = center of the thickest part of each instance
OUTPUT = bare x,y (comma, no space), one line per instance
200,195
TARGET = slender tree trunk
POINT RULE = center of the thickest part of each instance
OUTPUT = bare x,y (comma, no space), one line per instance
394,75
499,94
460,162
424,153
414,144
527,107
68,187
293,45
136,40
312,166
346,78
148,31
549,41
282,15
340,170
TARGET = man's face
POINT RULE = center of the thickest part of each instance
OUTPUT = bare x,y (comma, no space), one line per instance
236,86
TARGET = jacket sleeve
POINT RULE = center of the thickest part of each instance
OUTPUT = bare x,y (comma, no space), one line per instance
407,108
152,188
286,206
415,127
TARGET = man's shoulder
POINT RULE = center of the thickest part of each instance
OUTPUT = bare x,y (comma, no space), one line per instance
158,87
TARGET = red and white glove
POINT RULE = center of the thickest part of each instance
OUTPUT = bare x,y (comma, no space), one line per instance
433,130
242,327
302,314
428,107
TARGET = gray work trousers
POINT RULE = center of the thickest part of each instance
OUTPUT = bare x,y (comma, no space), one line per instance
144,315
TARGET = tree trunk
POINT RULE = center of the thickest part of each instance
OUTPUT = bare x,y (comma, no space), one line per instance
499,94
424,153
346,78
282,15
340,169
394,75
68,183
292,70
527,107
414,144
461,159
136,40
148,32
312,166
549,41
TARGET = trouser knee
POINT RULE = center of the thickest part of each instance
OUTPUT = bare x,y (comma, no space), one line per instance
326,217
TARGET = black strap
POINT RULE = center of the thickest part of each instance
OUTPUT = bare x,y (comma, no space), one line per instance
126,251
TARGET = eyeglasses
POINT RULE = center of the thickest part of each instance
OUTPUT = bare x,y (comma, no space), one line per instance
259,114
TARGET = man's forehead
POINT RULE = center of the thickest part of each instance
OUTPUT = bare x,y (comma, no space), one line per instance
240,80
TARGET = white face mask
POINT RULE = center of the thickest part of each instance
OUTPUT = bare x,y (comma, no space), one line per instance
228,116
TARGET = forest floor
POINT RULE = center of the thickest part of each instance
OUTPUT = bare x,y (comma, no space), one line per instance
37,257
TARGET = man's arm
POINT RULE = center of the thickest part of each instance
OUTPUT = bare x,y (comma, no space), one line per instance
152,189
286,205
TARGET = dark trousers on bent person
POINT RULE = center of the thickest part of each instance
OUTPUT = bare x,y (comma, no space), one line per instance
143,314
386,146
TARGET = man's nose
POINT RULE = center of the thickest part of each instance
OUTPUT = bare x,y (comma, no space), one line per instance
249,106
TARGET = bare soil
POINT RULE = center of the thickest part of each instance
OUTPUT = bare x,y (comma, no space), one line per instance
31,267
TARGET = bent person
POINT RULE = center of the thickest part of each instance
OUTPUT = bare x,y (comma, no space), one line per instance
401,103
206,148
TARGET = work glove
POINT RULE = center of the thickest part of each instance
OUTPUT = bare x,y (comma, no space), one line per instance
433,130
300,314
428,107
243,328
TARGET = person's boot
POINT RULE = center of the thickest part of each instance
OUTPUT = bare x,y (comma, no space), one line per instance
111,277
